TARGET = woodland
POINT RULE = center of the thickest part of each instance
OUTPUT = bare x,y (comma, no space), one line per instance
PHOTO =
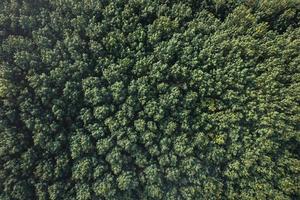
149,99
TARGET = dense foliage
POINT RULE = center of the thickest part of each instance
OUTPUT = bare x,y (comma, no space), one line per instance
159,99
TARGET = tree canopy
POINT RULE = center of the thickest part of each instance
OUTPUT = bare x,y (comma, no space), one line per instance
138,99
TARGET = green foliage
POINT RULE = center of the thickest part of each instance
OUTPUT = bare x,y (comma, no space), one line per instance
137,99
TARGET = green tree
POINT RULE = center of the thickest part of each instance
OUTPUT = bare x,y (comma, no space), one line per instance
136,99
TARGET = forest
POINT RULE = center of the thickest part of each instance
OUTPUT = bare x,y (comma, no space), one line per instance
149,99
